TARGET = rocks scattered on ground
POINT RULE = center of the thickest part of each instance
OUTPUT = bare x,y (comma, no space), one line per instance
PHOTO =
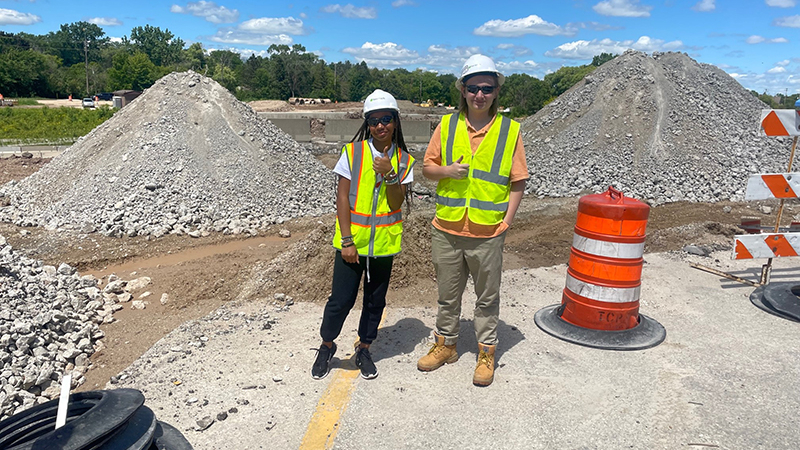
185,157
49,326
661,128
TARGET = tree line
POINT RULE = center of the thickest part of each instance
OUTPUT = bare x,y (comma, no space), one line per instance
80,60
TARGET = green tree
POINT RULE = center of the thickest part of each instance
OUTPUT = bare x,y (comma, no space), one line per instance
602,58
566,77
77,42
161,47
194,57
524,94
135,72
359,79
25,73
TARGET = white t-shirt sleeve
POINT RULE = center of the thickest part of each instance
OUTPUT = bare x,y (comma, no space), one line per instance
342,166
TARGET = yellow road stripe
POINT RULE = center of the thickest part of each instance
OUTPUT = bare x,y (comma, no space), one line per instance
325,422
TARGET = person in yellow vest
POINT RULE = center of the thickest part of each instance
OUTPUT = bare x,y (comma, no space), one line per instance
478,159
373,173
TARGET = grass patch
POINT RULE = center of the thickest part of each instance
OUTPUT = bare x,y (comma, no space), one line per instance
26,102
49,125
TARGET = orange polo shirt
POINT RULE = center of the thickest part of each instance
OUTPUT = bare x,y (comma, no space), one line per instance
519,172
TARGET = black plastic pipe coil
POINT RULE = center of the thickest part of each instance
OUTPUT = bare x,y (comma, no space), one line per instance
96,420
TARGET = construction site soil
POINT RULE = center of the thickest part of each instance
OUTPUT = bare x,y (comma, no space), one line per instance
200,274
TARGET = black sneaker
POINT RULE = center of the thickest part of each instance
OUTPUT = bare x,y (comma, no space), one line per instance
321,365
364,362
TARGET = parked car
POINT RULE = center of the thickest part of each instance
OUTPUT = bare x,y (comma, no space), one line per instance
107,96
87,102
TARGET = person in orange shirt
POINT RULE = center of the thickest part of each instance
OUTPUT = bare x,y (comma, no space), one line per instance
478,159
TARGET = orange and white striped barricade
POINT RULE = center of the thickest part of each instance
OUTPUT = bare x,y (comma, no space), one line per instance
780,122
779,241
600,303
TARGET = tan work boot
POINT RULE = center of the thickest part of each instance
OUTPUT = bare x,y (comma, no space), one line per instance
438,355
484,369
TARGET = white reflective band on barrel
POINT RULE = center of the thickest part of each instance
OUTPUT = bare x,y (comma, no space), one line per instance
607,249
602,293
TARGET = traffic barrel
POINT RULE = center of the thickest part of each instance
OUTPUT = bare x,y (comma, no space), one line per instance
600,302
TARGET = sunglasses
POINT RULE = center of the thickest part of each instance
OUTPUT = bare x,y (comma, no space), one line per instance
386,120
474,88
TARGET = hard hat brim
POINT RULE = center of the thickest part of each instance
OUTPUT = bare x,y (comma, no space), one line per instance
500,78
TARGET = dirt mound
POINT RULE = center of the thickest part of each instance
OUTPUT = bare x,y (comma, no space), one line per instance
305,271
184,157
663,128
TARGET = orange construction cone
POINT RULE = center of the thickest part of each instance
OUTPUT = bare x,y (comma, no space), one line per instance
600,303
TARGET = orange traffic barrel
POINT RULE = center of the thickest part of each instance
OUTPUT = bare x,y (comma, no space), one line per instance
600,303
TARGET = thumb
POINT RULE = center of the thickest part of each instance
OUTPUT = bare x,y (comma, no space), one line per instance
460,159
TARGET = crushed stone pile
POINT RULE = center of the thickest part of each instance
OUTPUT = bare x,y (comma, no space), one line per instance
661,128
184,157
49,326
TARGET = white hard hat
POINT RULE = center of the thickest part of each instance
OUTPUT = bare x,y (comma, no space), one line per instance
379,100
479,64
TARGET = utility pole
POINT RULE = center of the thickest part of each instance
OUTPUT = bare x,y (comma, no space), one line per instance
86,63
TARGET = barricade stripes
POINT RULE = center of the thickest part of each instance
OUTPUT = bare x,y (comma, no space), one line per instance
780,122
750,246
772,185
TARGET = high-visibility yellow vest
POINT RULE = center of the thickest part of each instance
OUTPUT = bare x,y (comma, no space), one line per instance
377,231
486,189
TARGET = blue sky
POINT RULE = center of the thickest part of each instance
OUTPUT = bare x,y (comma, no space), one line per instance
755,41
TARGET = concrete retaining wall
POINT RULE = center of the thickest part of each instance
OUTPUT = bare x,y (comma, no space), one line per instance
339,129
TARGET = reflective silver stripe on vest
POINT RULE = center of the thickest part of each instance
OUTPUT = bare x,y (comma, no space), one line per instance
488,206
355,171
494,176
607,249
377,221
454,202
602,293
451,137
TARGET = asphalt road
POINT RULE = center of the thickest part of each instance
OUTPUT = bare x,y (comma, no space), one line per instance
725,377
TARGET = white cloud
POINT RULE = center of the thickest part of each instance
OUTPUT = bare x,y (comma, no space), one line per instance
116,40
303,15
105,21
532,24
588,49
595,26
273,25
399,3
385,54
236,37
11,17
790,21
262,31
783,63
350,11
208,10
781,3
517,66
704,6
756,39
622,8
777,70
516,50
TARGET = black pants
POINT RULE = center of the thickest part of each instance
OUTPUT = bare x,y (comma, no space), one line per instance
346,278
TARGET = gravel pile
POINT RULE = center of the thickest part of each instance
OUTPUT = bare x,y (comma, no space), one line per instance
184,157
661,128
49,320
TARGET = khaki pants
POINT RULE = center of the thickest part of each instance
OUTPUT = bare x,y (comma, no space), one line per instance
455,258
